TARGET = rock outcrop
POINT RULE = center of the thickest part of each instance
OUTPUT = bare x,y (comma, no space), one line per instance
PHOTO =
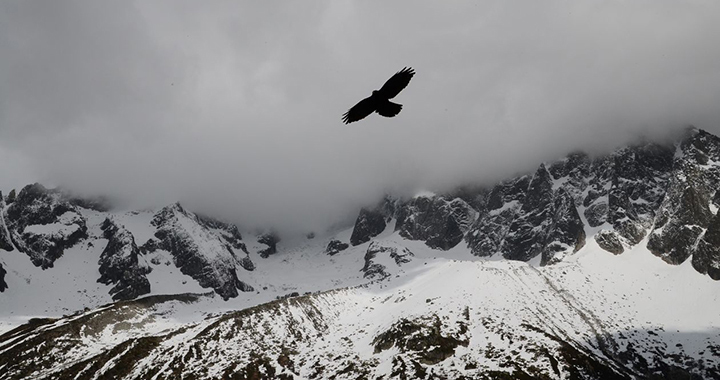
121,263
198,252
43,225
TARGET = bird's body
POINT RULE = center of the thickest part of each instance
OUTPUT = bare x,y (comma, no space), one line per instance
379,101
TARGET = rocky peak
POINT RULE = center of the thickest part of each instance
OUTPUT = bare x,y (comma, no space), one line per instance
372,221
42,224
198,252
121,263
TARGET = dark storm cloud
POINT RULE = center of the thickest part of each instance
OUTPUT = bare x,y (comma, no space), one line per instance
234,107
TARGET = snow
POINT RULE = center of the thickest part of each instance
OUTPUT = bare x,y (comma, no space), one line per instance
589,293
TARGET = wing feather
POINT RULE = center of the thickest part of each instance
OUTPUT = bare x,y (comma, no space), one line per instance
359,111
388,109
397,83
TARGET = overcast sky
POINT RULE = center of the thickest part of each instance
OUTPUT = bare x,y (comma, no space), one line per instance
234,107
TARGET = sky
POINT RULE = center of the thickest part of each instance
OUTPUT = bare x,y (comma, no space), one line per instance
234,107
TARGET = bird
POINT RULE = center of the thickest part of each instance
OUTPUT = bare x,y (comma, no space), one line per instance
379,101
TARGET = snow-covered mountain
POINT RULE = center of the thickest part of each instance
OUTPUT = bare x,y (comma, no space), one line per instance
588,268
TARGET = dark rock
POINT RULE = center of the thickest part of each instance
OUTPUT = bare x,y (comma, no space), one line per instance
247,264
150,246
441,223
3,284
37,206
487,234
526,236
685,212
706,257
213,264
423,337
270,239
372,269
566,234
368,224
5,242
335,246
609,241
120,263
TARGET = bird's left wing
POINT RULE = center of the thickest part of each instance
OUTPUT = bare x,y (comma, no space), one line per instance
397,83
359,111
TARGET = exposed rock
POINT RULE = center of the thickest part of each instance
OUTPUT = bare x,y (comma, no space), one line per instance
527,234
378,257
335,246
609,241
368,224
121,263
566,235
706,257
487,234
423,337
3,284
198,252
43,225
441,223
5,242
685,212
247,264
270,239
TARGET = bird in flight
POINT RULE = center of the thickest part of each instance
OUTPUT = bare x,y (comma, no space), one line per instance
379,101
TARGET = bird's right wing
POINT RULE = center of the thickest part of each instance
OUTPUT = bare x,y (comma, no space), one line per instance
397,83
359,111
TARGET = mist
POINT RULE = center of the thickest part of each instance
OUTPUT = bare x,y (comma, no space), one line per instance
234,108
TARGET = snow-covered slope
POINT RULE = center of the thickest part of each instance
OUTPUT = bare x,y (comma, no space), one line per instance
451,315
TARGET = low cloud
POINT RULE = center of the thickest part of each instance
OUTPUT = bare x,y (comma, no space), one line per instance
235,108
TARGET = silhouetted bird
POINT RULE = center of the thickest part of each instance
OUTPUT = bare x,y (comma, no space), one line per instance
379,101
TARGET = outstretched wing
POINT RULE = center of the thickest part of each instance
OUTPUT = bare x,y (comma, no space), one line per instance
397,83
359,111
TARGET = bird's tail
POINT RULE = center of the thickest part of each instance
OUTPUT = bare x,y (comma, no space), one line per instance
387,108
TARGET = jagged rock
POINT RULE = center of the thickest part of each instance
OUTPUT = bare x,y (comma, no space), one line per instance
706,257
335,246
609,241
368,224
198,252
270,239
247,264
487,234
42,224
441,223
379,256
150,246
3,284
121,264
526,236
5,242
566,235
685,213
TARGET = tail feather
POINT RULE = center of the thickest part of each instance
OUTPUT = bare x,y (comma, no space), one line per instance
388,109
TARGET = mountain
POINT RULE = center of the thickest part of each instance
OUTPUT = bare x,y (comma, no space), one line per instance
588,268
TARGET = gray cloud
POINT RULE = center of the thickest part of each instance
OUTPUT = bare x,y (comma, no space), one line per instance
234,107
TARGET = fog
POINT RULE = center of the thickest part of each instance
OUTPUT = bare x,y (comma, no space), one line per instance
234,107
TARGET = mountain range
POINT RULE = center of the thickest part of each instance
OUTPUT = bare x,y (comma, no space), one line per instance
602,267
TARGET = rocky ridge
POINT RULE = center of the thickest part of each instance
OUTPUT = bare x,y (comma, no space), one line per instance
666,193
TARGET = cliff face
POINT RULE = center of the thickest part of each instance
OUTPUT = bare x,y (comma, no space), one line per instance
665,193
